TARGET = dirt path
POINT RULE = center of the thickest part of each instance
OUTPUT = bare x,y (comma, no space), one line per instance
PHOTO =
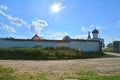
107,65
112,55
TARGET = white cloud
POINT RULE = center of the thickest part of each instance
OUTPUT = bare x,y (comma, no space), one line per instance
99,27
37,25
83,36
18,37
118,24
14,20
56,35
3,7
84,29
96,26
90,28
6,27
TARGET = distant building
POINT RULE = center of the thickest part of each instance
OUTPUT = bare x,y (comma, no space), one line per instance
90,44
116,46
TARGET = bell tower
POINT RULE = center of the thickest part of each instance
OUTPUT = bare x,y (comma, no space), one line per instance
95,33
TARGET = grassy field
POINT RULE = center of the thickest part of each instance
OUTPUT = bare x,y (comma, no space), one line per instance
105,68
9,74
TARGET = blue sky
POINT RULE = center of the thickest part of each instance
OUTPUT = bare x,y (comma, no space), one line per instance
24,18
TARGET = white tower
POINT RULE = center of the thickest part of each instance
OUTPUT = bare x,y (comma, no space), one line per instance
95,33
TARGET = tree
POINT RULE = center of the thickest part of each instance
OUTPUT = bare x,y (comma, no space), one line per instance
109,48
66,38
110,45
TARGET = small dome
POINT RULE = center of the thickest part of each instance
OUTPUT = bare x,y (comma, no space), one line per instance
95,31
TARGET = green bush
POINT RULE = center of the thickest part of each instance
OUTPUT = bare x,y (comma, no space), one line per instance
108,50
40,53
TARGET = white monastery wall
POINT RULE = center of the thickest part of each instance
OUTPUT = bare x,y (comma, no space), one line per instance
86,46
8,43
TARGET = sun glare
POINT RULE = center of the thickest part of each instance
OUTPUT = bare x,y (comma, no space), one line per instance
55,8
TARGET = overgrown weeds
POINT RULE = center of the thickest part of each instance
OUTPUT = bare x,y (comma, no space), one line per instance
49,53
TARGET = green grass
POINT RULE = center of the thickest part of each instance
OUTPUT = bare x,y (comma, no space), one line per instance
106,78
89,75
9,74
6,70
38,76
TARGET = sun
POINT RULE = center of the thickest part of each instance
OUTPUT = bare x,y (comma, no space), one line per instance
55,8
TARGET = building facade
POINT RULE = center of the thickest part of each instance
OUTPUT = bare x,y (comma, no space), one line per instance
116,46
